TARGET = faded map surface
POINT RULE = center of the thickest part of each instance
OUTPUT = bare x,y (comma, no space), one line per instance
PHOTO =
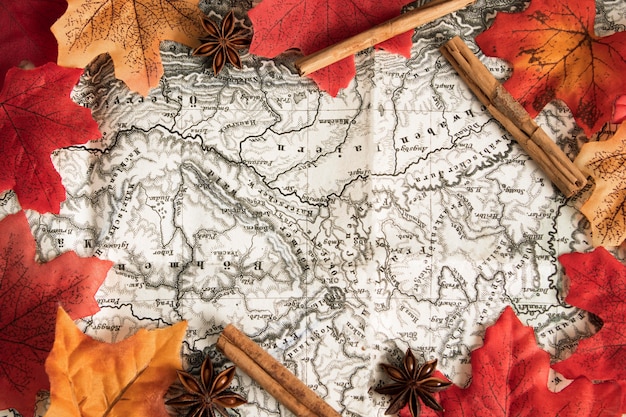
336,232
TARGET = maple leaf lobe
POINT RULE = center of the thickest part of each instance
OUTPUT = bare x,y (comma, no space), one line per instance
597,285
30,294
510,375
130,31
26,32
555,53
38,117
127,378
281,25
605,209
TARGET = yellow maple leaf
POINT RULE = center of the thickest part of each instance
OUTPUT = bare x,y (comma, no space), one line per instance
605,161
90,378
130,31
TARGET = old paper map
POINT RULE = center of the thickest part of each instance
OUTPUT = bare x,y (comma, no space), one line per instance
336,232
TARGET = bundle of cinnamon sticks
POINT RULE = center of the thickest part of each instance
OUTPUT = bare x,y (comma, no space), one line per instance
277,380
550,158
514,118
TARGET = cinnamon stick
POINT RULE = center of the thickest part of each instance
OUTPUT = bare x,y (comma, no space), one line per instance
277,380
380,33
514,118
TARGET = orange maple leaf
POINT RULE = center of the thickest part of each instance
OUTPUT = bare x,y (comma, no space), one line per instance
556,55
90,378
605,161
130,31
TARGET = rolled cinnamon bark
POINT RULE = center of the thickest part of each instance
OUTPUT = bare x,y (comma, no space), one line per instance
514,118
271,375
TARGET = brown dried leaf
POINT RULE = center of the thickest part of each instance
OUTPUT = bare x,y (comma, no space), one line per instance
606,208
130,31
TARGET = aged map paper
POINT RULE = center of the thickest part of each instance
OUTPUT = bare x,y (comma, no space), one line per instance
336,232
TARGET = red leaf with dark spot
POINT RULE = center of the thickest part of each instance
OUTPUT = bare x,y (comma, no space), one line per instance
30,294
556,55
37,116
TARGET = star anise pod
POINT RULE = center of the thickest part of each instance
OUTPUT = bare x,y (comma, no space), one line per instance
207,396
223,42
412,383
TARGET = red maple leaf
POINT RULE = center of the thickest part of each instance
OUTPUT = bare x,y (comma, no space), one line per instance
311,25
25,34
556,55
37,116
30,294
597,285
510,376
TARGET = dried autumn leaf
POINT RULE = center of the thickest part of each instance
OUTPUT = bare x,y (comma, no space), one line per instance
605,161
130,31
30,294
89,378
37,116
597,285
556,55
311,25
510,377
25,34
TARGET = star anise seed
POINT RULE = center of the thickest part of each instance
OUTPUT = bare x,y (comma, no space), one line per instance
412,383
223,42
207,396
